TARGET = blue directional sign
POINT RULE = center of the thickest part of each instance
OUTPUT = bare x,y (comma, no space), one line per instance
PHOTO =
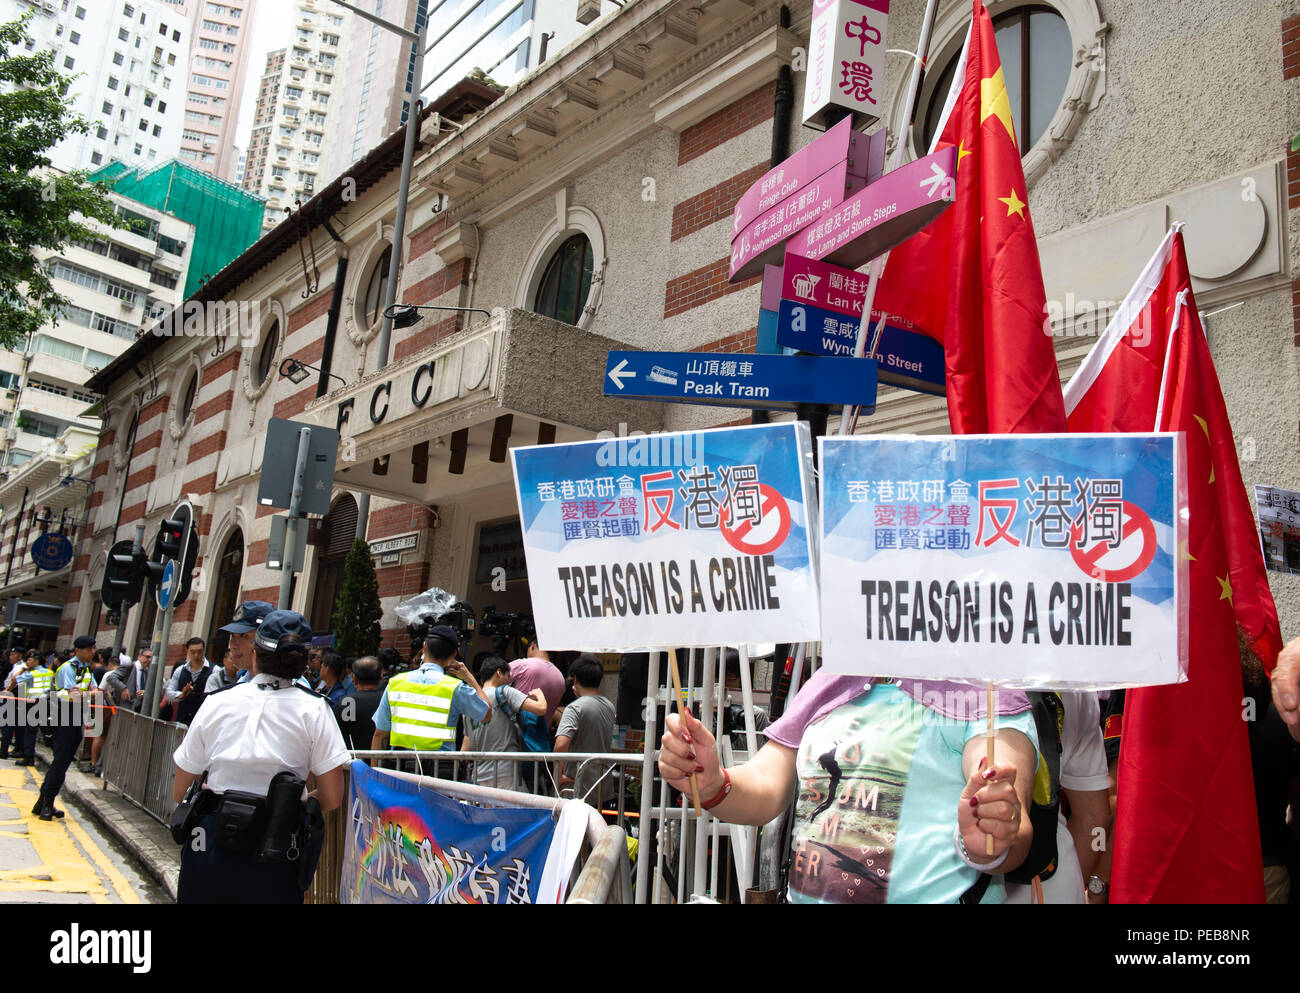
906,358
777,382
167,588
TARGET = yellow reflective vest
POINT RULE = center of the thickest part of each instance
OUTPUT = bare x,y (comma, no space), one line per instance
419,713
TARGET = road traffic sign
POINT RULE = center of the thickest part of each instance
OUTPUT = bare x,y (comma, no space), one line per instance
167,587
280,461
777,382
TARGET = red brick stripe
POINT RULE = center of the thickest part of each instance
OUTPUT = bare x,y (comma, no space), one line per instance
309,311
700,286
225,365
436,284
428,336
423,240
727,123
745,341
714,204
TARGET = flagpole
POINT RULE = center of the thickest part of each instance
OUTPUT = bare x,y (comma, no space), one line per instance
878,263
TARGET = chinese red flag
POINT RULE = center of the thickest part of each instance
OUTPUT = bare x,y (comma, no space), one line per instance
1186,829
972,278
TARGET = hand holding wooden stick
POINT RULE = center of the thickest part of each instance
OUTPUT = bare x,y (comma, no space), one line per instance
681,708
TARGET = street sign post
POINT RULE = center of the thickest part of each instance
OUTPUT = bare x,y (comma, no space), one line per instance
276,545
174,553
904,358
777,382
882,215
279,466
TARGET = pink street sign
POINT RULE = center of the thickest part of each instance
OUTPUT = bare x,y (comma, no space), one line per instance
763,241
823,285
800,169
884,214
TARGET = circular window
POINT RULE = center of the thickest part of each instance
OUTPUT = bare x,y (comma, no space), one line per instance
566,281
376,288
187,403
1037,57
266,357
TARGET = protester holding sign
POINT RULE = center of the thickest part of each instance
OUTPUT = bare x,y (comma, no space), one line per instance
877,769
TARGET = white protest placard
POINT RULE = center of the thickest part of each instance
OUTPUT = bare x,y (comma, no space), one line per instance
1026,560
697,538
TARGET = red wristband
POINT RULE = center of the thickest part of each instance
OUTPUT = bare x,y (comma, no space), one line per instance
721,795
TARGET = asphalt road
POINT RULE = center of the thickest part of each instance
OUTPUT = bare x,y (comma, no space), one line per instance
67,860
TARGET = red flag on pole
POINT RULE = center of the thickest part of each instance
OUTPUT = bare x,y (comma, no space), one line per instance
972,278
1186,829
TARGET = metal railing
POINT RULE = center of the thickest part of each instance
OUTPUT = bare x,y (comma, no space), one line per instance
148,783
504,776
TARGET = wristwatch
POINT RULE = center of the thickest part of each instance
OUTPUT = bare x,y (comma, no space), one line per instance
1098,886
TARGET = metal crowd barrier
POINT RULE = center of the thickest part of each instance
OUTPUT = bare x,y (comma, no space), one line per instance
148,783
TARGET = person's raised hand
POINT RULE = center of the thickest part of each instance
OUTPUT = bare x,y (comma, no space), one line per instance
1286,687
989,806
689,749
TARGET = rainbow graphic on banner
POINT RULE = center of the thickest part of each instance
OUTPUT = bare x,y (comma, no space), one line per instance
407,844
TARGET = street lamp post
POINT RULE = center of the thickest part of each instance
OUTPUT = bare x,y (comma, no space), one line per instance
417,39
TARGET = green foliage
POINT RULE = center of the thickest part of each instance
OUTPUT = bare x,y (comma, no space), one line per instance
39,208
357,611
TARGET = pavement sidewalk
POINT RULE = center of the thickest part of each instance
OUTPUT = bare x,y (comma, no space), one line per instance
148,841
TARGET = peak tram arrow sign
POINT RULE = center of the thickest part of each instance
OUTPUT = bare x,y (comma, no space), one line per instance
618,374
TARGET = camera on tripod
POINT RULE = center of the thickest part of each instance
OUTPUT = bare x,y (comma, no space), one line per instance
505,629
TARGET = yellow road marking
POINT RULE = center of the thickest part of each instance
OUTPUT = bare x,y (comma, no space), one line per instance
124,890
70,870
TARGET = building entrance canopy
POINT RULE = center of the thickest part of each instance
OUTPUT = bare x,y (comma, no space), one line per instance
436,426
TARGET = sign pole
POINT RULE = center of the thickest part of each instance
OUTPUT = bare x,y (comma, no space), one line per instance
156,671
291,527
848,415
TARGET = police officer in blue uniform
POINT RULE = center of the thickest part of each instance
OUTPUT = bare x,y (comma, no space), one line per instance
249,837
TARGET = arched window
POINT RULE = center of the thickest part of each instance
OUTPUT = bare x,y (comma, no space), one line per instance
376,287
230,570
1037,57
266,357
187,403
339,529
566,282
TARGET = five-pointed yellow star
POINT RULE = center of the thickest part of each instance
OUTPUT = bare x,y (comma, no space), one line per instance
1185,551
962,152
1225,588
994,101
1014,204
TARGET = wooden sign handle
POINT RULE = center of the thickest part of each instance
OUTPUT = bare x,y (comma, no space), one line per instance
992,730
681,712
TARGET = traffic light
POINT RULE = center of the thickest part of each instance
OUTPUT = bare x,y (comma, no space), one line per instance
167,546
123,576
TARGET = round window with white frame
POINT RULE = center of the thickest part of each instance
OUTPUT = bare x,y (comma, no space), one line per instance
259,368
185,394
1053,62
565,271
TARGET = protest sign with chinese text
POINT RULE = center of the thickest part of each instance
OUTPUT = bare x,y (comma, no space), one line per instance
694,538
1027,560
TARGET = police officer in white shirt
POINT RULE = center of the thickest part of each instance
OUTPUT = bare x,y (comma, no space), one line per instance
250,838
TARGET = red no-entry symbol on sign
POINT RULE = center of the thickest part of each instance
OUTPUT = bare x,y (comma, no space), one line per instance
769,536
1136,550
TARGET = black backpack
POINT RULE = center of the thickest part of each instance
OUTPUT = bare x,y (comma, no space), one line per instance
1049,722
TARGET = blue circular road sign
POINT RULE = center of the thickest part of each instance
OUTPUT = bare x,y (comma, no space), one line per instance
167,588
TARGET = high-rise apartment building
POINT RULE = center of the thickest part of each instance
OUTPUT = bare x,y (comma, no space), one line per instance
504,38
218,70
130,61
294,119
114,282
